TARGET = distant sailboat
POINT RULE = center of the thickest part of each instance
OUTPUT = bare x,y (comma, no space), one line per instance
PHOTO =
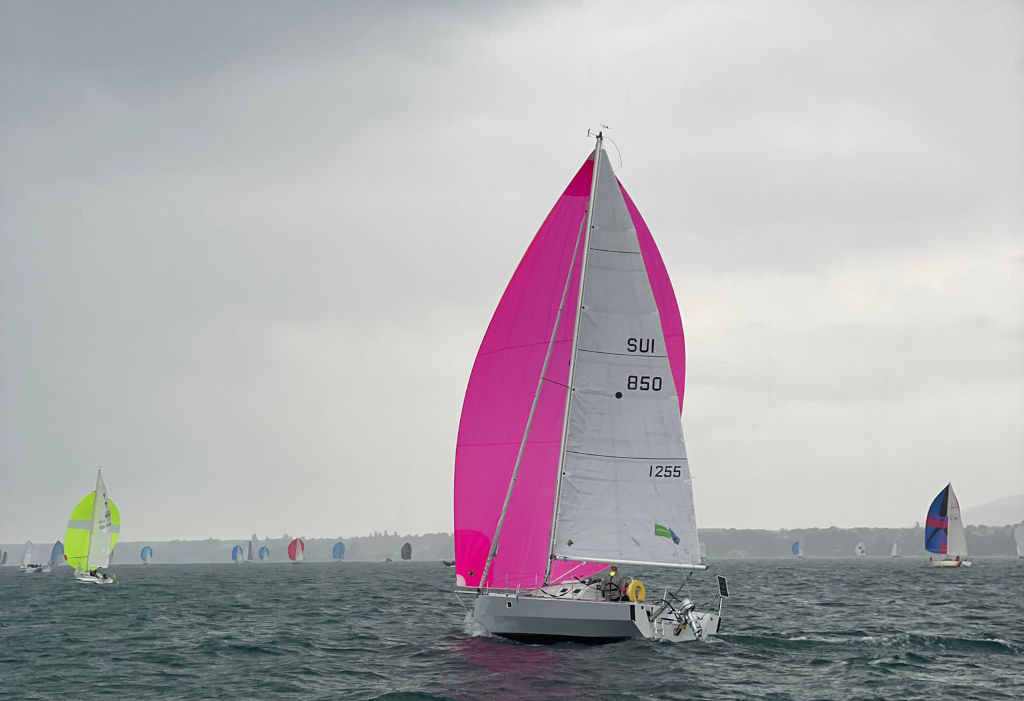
3,557
92,532
338,552
859,550
237,554
570,457
798,549
146,554
56,554
264,554
297,551
28,563
1018,536
250,555
944,531
407,551
895,549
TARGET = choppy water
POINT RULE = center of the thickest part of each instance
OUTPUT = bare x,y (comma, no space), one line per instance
822,629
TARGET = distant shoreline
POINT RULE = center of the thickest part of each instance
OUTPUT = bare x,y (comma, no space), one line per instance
720,544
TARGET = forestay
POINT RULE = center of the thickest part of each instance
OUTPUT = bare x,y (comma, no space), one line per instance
625,494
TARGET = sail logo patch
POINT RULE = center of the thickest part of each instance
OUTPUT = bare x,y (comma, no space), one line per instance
666,532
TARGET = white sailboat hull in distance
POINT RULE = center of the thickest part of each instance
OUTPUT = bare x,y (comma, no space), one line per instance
951,563
98,578
536,617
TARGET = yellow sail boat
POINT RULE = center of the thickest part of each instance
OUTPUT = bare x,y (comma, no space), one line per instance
92,532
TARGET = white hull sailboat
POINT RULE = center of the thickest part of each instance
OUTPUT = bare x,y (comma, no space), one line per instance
570,460
1018,537
895,550
27,564
944,531
92,532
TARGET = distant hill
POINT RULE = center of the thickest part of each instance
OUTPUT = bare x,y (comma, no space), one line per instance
1004,511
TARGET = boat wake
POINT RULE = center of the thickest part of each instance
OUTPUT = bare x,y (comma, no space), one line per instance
472,627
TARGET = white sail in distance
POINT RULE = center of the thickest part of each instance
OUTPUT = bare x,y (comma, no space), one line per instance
99,538
956,540
625,494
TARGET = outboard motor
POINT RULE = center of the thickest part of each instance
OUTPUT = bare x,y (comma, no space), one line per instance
685,613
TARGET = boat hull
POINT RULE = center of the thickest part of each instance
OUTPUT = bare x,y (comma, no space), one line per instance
539,619
34,569
86,578
950,563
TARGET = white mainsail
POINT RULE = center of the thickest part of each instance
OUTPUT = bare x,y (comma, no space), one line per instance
895,550
99,536
26,557
625,494
859,550
1018,537
956,541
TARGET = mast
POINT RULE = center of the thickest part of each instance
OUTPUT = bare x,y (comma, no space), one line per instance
572,353
529,420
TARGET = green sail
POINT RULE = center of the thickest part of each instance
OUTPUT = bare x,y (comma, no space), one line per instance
76,537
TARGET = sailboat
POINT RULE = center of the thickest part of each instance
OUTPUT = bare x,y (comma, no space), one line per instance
250,555
297,551
407,551
264,554
338,552
27,564
798,549
236,554
1018,537
570,460
944,531
859,550
56,554
146,554
92,532
895,549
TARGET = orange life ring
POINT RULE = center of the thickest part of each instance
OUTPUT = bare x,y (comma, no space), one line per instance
636,591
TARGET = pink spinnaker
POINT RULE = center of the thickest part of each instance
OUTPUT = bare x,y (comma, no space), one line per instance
501,391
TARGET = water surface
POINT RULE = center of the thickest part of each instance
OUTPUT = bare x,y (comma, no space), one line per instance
809,629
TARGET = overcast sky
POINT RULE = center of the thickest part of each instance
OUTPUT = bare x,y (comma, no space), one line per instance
248,250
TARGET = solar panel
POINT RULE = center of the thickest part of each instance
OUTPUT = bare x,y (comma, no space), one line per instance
723,586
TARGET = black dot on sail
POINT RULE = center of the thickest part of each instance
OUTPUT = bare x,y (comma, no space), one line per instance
618,395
